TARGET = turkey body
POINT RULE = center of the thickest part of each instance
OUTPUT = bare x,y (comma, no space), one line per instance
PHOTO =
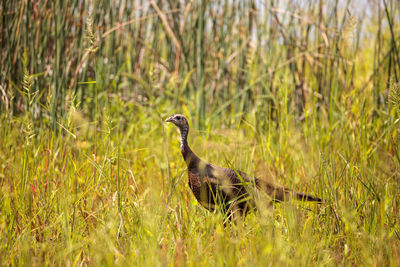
213,185
233,191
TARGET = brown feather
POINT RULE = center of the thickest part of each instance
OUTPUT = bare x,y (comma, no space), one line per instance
228,188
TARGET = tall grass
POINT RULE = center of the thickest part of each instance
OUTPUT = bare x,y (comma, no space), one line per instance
304,94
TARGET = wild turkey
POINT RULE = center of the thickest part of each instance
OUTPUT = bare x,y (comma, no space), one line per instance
230,189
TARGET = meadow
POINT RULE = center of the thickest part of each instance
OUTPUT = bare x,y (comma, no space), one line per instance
304,94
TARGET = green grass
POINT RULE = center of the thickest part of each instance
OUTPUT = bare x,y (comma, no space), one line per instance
90,174
124,198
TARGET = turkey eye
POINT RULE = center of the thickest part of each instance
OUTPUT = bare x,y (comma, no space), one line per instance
178,118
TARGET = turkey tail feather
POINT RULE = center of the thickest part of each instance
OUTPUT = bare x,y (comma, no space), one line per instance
305,197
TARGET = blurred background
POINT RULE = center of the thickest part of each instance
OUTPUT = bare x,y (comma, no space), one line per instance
223,58
303,93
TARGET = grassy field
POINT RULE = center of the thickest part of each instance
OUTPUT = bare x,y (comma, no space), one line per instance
305,95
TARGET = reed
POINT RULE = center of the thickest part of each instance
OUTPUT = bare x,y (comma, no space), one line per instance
305,94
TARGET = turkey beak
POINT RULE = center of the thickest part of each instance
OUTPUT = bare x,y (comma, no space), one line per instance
170,119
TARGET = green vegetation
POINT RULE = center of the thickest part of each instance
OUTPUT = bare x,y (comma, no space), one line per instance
304,94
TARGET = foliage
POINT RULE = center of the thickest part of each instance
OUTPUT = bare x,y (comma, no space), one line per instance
305,94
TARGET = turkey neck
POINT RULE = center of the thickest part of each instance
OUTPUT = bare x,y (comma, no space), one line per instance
187,153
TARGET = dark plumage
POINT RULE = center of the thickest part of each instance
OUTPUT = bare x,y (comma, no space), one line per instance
230,189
